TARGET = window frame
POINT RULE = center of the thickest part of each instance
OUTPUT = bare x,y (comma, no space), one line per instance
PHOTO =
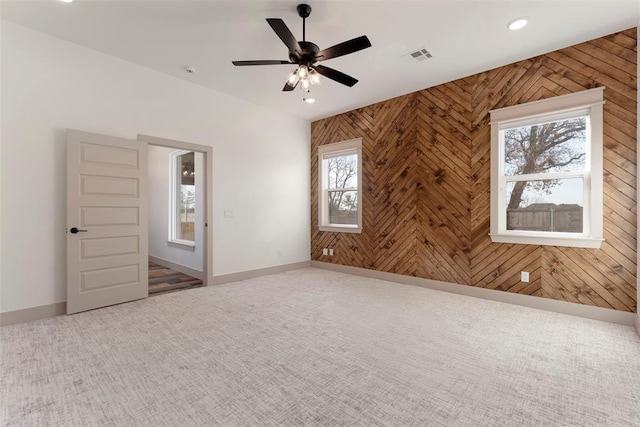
558,108
352,146
174,199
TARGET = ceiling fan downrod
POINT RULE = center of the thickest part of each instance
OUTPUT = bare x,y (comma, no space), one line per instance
304,10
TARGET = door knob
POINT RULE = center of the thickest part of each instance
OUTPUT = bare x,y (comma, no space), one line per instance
75,230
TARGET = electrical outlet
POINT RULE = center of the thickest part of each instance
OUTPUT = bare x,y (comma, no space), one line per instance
524,276
228,213
325,251
330,252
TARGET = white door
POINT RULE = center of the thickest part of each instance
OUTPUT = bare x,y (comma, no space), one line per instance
107,244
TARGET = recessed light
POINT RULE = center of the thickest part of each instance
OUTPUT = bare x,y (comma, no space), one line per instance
66,1
518,23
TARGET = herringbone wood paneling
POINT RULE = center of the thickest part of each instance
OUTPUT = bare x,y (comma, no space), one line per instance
394,183
356,250
426,182
443,191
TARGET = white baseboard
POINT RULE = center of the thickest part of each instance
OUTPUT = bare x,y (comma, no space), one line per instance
589,312
33,313
244,275
178,267
44,311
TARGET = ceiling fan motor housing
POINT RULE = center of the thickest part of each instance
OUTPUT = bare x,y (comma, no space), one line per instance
309,51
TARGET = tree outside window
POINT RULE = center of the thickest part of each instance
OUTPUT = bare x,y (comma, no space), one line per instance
556,148
546,171
183,198
187,212
342,189
340,180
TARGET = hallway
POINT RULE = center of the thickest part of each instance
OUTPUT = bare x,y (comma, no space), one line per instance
163,280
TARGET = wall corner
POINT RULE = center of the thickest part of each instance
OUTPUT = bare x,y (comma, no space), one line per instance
637,188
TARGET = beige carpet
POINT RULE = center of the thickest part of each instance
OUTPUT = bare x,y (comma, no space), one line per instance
311,347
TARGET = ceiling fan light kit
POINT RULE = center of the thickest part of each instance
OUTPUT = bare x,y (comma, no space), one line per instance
305,76
305,55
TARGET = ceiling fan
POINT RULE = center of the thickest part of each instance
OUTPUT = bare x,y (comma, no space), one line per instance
306,54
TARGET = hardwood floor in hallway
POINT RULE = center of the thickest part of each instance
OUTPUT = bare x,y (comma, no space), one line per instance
163,280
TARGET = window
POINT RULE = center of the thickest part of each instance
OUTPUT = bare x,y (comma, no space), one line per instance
183,198
340,181
546,171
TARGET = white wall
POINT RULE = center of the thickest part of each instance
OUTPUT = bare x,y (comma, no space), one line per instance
159,185
260,158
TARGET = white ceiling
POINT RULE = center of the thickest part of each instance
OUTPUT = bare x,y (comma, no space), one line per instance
465,37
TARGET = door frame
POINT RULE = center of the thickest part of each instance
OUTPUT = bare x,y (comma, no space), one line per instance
207,151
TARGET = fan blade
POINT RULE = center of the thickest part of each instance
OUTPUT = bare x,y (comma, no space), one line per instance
335,75
343,48
285,35
288,88
260,62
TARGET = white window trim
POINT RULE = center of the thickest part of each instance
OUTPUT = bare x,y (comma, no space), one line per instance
173,203
353,146
591,100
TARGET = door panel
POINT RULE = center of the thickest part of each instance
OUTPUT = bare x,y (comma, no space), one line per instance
107,260
112,156
109,277
108,217
108,185
109,246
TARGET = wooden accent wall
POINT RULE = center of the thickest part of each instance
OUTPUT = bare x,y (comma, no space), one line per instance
426,180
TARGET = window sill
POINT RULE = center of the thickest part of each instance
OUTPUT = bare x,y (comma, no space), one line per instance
575,242
340,229
183,244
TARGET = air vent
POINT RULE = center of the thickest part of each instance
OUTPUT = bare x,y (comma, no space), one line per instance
420,55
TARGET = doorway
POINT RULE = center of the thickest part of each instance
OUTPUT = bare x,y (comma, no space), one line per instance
107,218
179,215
